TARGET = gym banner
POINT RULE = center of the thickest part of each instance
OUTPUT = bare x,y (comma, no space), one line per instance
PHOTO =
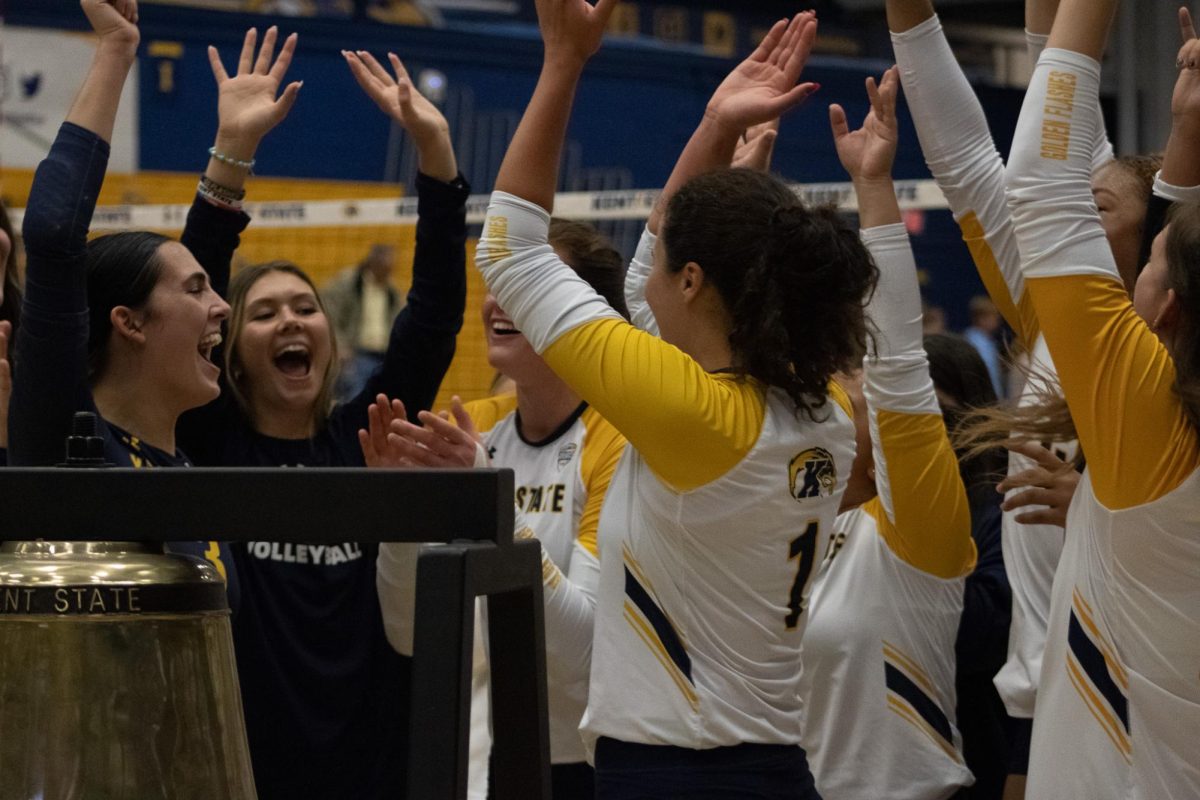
40,71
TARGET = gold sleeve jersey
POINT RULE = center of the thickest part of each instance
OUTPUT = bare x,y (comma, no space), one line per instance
959,150
879,659
1118,711
710,526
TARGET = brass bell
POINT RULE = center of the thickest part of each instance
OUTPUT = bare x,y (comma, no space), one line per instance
117,676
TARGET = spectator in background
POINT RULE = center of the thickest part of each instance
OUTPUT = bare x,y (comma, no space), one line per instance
362,304
933,319
983,334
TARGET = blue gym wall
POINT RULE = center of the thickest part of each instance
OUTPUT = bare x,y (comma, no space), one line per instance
638,104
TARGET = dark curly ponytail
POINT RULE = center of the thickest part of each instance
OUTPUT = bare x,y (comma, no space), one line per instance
795,280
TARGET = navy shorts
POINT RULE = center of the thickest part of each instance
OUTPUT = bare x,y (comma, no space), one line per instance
1020,735
627,771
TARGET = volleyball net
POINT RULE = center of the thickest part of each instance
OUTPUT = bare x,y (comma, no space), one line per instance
324,235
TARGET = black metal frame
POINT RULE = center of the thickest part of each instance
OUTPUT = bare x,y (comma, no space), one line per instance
471,510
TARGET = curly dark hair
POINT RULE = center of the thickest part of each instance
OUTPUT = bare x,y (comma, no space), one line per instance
795,280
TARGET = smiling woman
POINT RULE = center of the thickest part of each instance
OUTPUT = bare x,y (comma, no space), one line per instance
280,355
309,638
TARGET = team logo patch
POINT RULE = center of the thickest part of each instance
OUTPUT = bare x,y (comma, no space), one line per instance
812,474
566,453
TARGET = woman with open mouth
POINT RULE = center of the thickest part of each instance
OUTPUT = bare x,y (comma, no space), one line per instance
324,694
125,326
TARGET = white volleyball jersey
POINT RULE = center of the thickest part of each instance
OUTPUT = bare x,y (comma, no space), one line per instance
1118,710
879,658
560,486
711,523
703,599
1031,556
879,667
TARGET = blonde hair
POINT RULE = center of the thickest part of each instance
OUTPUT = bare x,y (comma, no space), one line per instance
239,288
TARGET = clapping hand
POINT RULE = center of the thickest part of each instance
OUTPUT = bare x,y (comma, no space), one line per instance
392,441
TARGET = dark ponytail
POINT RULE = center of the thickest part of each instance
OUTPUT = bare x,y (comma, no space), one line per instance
122,270
795,280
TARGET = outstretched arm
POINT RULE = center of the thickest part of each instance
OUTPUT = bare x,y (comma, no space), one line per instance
759,90
571,33
1115,373
959,151
249,106
115,22
423,337
916,468
52,341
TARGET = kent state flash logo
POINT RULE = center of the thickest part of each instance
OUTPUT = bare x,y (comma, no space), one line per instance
812,474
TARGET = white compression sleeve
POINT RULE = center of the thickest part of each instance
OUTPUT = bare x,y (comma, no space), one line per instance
1049,172
1176,194
635,284
1102,149
956,141
896,369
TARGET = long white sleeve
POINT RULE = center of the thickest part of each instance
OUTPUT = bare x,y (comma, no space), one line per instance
635,284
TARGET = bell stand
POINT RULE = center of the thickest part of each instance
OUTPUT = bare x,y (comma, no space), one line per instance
470,510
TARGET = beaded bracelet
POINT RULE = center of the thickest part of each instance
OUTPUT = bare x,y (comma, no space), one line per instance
230,160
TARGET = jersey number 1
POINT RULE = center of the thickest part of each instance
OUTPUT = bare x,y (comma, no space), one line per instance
804,549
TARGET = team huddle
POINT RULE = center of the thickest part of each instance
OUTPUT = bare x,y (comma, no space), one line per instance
755,483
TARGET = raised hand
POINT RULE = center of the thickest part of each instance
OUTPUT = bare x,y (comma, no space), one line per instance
114,21
572,29
5,380
1185,101
247,104
869,152
763,86
399,99
756,147
1050,482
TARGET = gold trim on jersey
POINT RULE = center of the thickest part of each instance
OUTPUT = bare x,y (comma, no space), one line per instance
651,640
645,629
910,667
1106,703
906,713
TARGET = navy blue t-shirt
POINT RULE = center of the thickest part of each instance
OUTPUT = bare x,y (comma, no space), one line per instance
325,696
50,380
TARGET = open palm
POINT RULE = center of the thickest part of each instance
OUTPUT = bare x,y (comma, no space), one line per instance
764,85
247,104
397,97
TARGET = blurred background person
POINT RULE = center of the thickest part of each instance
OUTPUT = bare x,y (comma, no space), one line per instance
363,303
